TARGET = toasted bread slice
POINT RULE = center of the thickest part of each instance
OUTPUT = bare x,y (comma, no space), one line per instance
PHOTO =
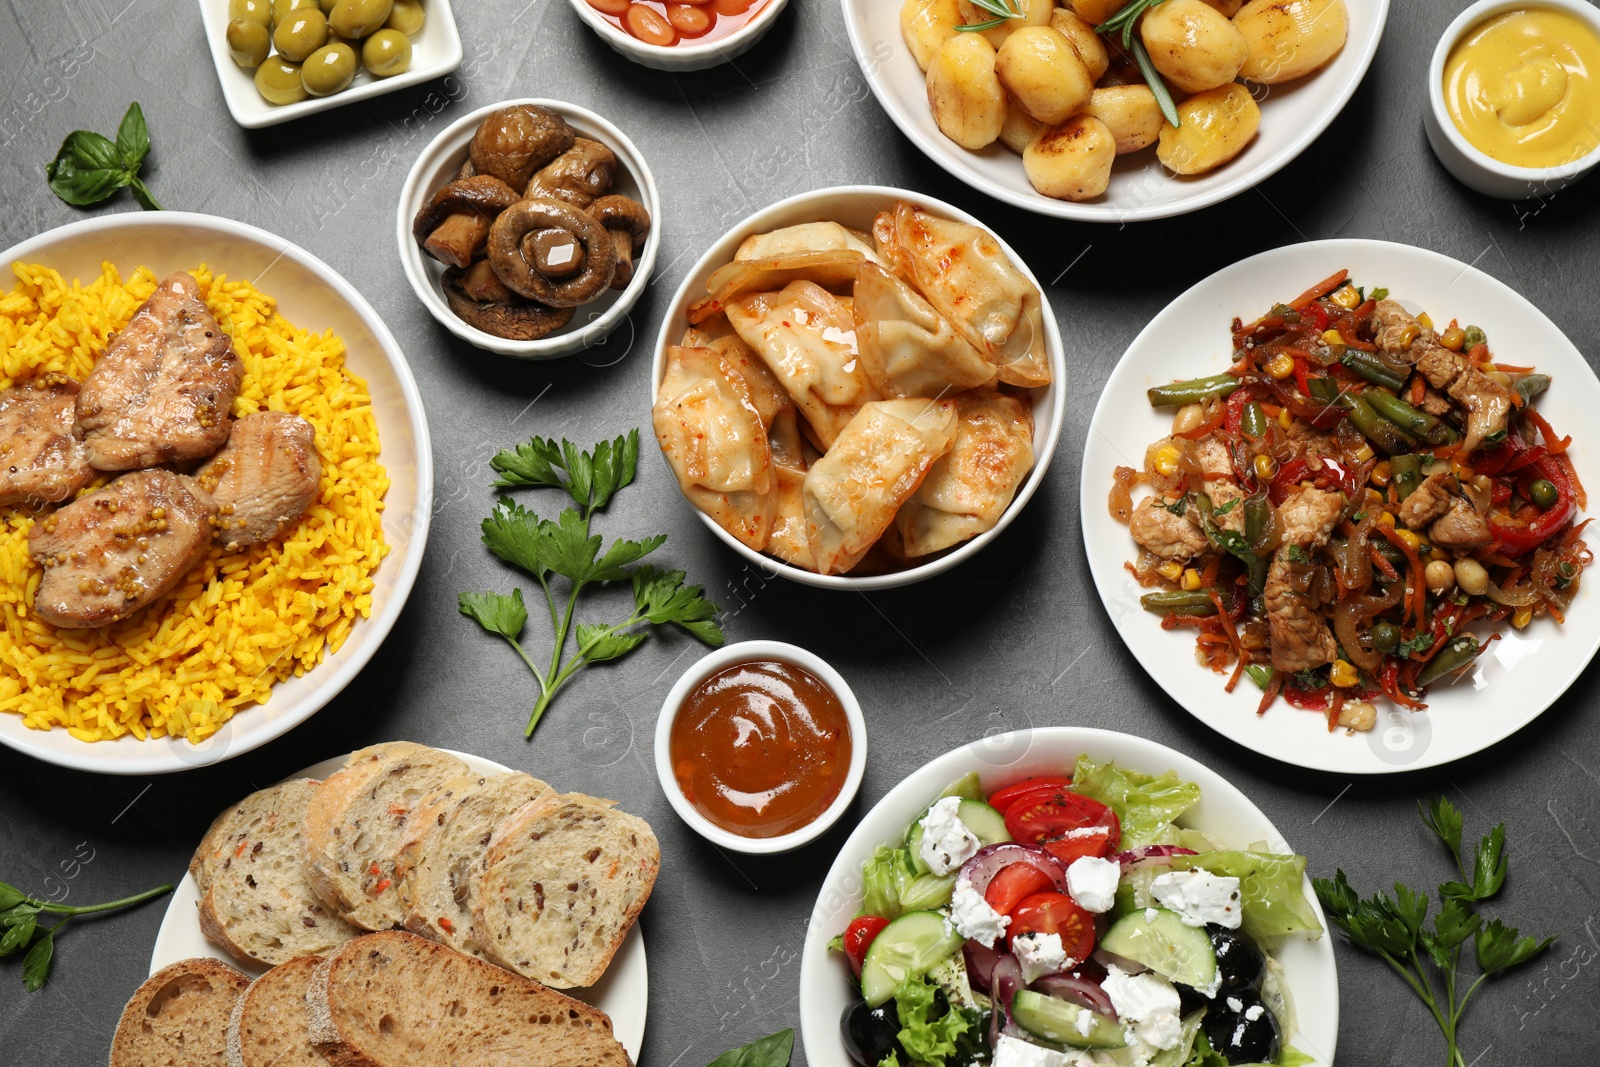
354,823
179,1017
563,881
257,902
268,1025
398,1000
437,866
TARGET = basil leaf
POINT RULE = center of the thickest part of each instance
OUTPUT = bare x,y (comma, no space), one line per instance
84,188
133,137
91,151
142,195
771,1051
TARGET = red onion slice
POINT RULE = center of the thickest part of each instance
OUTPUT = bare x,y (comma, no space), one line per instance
1150,856
1107,959
980,964
1078,991
1007,980
992,859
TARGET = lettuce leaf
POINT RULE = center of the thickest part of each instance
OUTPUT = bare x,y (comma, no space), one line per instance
1146,805
1204,1055
1271,886
889,885
928,1037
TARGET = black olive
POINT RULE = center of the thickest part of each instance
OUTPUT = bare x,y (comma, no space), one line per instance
1240,1027
1190,999
1239,961
870,1034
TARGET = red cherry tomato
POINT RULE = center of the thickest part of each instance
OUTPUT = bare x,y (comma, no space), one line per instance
1013,883
858,936
1002,799
1067,824
1055,913
1102,842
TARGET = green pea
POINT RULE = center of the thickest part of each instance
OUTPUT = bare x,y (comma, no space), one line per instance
1385,636
302,33
249,43
278,81
330,69
1544,493
254,10
407,17
387,53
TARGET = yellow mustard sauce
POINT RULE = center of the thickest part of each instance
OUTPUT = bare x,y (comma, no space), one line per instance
1522,89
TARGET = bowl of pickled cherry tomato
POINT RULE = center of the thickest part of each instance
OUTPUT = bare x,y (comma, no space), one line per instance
680,34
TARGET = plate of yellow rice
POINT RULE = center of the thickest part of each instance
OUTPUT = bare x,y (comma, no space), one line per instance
253,642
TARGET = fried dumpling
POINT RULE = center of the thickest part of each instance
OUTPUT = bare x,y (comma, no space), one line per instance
772,403
806,237
830,270
908,348
789,542
852,492
971,486
807,338
968,278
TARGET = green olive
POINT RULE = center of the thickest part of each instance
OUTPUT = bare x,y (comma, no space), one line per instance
407,17
1385,636
254,10
278,81
282,8
248,43
387,53
330,69
326,5
359,18
1544,493
302,33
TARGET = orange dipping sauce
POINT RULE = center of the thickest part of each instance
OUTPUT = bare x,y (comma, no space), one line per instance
665,23
761,748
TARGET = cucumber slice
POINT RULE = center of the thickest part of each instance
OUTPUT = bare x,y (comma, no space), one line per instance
908,947
986,824
1164,944
1056,1020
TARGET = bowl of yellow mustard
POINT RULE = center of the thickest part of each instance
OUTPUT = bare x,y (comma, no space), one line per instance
1514,89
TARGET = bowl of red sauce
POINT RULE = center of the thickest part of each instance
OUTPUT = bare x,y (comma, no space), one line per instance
680,34
760,747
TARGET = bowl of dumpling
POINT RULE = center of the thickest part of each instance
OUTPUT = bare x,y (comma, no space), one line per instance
858,387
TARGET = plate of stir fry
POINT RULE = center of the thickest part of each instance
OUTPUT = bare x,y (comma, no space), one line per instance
1347,527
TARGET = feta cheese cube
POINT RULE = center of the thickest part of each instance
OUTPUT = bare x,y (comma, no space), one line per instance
1200,897
1092,882
946,841
1015,1052
972,917
1148,1003
1039,954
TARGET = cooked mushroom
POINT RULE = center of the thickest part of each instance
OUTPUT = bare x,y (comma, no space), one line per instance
556,254
509,256
514,142
513,318
454,224
629,224
579,175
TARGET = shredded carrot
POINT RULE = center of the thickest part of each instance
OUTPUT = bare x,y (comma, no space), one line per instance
1225,621
1335,709
1209,575
1321,289
1271,411
1419,602
1553,445
1564,461
1380,561
1274,687
1511,369
1205,427
240,850
1419,389
1479,353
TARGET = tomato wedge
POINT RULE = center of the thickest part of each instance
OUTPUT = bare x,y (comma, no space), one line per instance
1067,824
1055,913
1002,799
1013,883
858,937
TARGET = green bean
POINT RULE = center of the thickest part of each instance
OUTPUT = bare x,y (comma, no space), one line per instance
1173,603
1452,657
1377,429
1254,421
1405,472
1531,385
1193,391
1408,418
1323,389
1373,369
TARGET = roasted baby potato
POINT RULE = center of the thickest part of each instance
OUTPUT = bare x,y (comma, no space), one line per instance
1072,161
1043,73
964,93
1130,112
1094,12
1034,13
1090,48
927,24
1193,46
1020,127
1288,39
1228,8
1216,125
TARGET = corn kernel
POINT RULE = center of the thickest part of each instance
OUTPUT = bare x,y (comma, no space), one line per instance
1453,338
1411,539
1381,474
1409,335
1346,297
1373,497
1522,617
1170,570
1439,556
1333,337
1280,366
1425,321
1285,419
1364,454
1167,457
1386,519
1343,674
1191,580
1266,467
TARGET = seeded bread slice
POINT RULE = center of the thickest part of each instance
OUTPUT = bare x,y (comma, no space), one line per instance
257,902
563,881
179,1017
398,1000
441,854
354,823
268,1025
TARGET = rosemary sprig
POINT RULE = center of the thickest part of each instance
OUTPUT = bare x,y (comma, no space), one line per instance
1002,10
1122,24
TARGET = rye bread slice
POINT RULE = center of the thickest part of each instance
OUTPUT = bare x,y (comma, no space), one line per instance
268,1025
563,881
256,901
398,1000
441,854
179,1017
354,823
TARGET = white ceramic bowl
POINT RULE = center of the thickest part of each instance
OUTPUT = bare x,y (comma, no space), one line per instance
435,52
682,57
313,296
741,653
438,164
1223,811
856,206
1471,166
1292,116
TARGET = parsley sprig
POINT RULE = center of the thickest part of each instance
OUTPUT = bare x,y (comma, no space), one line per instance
565,548
1395,928
19,919
1122,23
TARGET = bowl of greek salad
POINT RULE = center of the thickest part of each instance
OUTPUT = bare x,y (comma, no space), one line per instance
1067,897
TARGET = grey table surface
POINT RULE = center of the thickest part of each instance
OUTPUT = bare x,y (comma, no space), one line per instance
1014,638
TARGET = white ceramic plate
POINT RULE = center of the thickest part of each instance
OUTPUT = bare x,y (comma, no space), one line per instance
435,52
623,994
313,296
1521,675
826,987
1292,116
856,206
687,55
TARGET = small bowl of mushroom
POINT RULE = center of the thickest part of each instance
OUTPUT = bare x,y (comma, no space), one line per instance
529,228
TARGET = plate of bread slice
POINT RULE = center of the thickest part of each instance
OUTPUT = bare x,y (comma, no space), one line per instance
404,906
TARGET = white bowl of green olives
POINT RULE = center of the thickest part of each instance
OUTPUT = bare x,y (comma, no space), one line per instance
278,60
517,324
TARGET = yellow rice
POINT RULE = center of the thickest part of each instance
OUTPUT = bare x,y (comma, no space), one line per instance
239,622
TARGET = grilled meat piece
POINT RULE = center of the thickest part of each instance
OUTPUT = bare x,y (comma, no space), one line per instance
1461,528
1161,533
161,391
41,460
264,479
108,554
1300,635
1427,501
1487,402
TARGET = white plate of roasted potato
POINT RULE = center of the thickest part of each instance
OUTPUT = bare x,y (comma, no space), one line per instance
1041,111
